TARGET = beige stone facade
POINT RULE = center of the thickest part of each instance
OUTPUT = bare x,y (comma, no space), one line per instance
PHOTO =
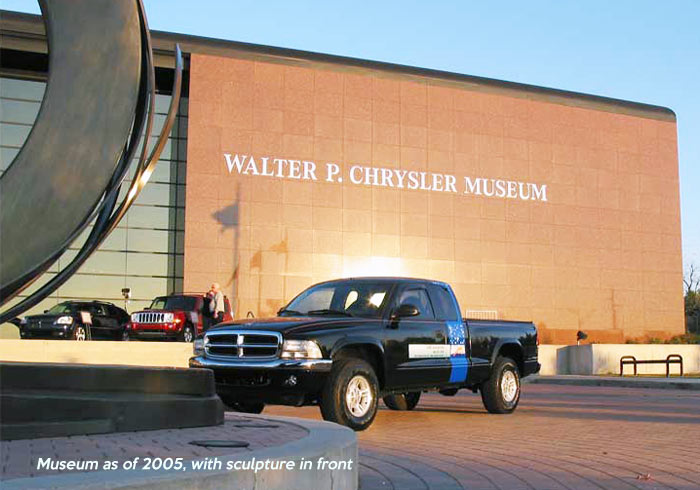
601,252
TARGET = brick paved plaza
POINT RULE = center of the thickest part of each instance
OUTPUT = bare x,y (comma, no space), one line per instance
561,437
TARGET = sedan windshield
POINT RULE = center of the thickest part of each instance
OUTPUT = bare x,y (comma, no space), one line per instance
347,298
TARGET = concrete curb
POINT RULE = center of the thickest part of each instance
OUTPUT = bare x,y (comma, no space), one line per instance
327,440
617,382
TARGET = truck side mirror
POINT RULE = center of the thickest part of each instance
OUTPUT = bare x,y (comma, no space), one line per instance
406,310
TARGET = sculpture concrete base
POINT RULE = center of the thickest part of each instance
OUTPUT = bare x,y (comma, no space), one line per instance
51,400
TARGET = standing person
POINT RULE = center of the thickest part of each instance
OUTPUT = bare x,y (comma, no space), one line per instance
217,303
207,311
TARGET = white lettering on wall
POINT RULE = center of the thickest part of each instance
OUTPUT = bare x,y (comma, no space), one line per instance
383,177
505,189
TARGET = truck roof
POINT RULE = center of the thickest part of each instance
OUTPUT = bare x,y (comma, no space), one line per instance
386,279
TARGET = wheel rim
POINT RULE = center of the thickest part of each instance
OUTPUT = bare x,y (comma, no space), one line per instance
509,386
80,333
188,335
358,396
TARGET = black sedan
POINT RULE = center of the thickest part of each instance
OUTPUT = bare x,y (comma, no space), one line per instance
78,320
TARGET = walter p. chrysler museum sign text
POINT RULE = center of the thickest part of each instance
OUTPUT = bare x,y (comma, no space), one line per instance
383,177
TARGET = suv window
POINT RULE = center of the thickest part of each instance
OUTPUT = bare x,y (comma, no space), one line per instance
443,302
418,297
116,312
180,303
96,310
65,307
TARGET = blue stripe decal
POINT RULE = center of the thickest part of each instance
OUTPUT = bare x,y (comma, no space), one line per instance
458,356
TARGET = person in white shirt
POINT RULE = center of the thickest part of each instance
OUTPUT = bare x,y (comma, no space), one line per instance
217,303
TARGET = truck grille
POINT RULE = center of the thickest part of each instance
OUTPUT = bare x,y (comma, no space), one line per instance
149,317
247,344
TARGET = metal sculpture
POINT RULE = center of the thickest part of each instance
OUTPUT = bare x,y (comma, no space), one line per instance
99,98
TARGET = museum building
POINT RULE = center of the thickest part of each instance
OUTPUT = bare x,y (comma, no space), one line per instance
286,168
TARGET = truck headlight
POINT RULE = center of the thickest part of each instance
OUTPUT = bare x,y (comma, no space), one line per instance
168,317
134,318
64,320
301,349
198,346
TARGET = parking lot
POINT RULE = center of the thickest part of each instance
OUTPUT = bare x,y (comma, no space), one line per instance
560,437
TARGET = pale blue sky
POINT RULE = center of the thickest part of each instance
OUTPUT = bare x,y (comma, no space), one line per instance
640,50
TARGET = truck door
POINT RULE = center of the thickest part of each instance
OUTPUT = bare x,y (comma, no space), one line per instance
447,311
416,347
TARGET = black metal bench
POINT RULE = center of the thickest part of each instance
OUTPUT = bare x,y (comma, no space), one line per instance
671,359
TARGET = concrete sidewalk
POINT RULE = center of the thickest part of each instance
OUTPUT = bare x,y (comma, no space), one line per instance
661,383
265,437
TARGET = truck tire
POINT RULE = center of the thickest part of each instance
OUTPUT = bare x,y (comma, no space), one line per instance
350,395
501,392
403,401
241,406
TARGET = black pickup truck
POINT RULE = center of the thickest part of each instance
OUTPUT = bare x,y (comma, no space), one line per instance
343,344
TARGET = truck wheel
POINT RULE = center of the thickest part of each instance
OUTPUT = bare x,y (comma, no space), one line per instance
244,407
404,401
501,392
350,395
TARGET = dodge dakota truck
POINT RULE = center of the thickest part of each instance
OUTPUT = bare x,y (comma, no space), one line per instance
344,344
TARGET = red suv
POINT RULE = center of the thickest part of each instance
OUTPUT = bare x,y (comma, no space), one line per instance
174,317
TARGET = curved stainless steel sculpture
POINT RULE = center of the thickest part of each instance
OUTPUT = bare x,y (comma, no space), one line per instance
99,97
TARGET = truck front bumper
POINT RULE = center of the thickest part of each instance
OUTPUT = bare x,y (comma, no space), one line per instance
274,381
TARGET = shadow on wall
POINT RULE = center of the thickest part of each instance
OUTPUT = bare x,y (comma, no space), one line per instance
271,305
229,219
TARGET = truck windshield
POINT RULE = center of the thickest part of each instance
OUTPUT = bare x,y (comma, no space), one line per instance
172,303
349,298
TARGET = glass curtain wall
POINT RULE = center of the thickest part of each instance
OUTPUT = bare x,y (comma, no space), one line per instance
145,252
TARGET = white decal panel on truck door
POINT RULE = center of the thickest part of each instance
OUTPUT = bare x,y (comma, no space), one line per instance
428,351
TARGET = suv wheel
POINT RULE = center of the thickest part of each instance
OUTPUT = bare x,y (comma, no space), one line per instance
240,406
125,336
79,333
350,395
187,334
403,401
501,392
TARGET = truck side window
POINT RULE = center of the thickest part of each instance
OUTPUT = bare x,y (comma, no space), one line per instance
419,299
443,302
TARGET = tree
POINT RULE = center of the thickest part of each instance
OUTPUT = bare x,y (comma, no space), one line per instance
691,283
